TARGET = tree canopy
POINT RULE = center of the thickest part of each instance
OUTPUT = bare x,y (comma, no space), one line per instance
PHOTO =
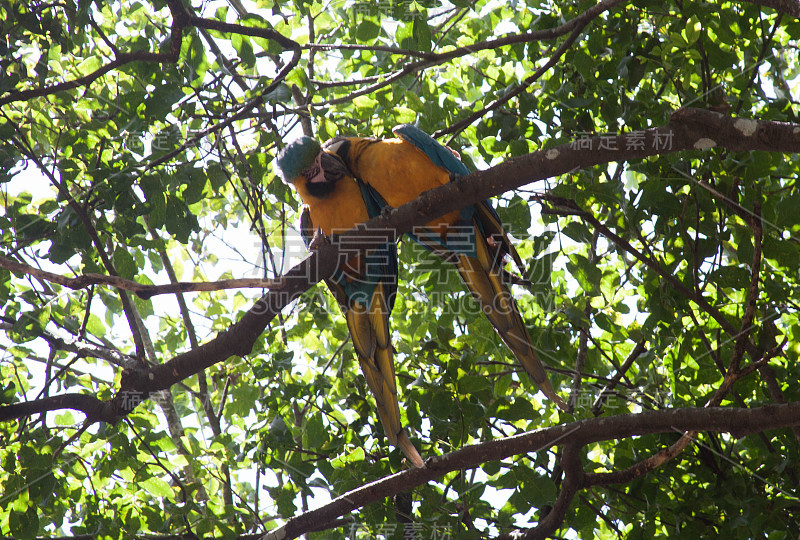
171,368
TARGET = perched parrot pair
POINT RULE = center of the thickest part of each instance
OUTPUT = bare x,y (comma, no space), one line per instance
350,180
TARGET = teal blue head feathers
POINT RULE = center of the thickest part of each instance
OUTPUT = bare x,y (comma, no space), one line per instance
297,155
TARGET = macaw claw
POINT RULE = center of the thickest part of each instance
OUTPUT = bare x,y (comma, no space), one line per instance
320,239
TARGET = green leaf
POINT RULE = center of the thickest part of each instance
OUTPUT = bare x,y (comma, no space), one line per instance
196,188
244,49
157,487
587,274
692,31
472,384
354,457
367,30
162,99
280,94
516,217
314,434
540,490
421,33
216,176
124,264
24,524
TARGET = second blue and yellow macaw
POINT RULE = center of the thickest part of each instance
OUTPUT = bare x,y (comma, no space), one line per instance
364,284
399,170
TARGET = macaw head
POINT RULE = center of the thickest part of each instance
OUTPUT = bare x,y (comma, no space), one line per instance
304,164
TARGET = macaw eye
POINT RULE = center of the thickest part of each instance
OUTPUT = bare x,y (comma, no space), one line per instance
312,171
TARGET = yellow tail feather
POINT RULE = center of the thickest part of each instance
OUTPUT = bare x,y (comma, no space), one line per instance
484,282
371,339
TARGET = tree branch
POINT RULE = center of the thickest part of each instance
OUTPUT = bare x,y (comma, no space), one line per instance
638,350
738,422
141,290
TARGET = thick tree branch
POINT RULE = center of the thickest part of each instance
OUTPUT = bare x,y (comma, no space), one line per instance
574,480
738,422
646,465
94,409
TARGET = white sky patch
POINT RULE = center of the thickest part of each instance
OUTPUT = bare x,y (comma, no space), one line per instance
506,27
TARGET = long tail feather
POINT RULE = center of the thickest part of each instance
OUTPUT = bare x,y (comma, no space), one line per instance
483,279
370,330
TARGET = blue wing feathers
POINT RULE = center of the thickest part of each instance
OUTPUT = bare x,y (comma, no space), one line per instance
437,153
487,219
381,263
375,203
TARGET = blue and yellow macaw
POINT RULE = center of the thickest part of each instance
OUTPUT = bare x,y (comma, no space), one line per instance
365,284
473,238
